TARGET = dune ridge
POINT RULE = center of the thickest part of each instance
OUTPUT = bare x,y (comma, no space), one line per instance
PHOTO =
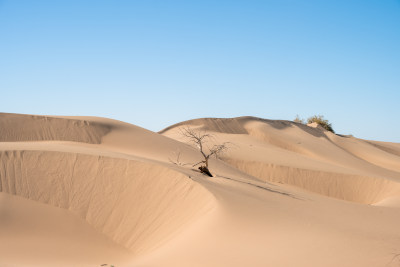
105,172
131,202
285,194
342,167
20,127
355,188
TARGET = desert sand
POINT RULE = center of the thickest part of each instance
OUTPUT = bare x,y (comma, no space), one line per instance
88,191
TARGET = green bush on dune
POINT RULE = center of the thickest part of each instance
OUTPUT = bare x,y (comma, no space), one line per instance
319,119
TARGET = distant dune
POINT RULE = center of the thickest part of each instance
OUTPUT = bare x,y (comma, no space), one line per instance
310,158
88,191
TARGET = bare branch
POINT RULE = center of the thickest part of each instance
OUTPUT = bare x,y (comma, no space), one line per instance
177,161
200,139
198,163
218,150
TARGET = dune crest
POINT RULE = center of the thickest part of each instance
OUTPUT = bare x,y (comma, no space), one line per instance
355,188
19,127
345,168
276,198
136,204
105,172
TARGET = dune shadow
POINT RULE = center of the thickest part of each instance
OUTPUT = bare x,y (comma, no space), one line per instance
284,124
262,187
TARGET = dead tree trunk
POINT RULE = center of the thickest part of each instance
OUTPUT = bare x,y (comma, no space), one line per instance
199,139
205,170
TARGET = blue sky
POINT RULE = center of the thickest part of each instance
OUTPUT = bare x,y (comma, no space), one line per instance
155,63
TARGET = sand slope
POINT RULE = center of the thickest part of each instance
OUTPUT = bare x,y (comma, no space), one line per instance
131,200
31,232
285,194
17,127
310,158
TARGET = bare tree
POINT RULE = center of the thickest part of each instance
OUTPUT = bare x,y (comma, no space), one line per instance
200,140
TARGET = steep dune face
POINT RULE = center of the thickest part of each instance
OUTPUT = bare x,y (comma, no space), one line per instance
131,203
355,188
231,126
18,127
136,204
107,174
310,158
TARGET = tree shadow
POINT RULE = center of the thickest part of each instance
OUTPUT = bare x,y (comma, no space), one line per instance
262,187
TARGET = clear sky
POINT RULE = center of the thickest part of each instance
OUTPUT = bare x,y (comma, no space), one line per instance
155,63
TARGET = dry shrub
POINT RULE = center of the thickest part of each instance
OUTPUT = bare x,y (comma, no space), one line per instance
319,119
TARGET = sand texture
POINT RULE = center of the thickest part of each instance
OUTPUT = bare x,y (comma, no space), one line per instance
88,191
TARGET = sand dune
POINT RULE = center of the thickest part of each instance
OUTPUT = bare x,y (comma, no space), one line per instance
85,191
31,231
114,195
131,200
17,127
310,158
